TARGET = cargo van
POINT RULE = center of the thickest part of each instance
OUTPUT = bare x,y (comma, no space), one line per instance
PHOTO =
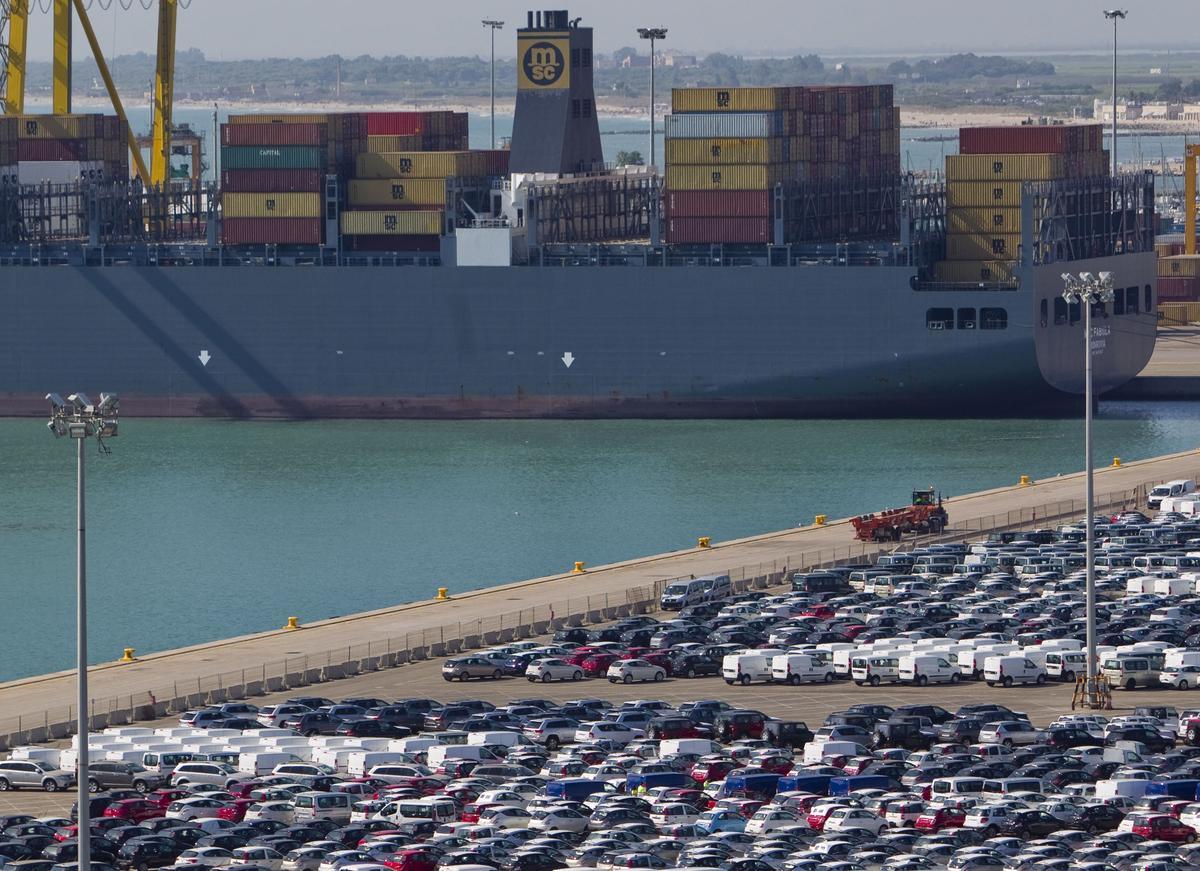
743,668
358,764
1131,672
1012,669
333,806
419,810
680,594
950,787
798,668
927,668
970,661
475,753
816,751
1066,665
163,762
875,669
1171,488
259,764
677,746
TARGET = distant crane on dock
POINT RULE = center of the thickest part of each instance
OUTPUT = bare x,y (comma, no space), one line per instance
14,33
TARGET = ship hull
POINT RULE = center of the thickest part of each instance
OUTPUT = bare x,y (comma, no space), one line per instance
546,342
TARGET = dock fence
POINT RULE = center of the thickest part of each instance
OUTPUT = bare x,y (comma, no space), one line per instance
295,672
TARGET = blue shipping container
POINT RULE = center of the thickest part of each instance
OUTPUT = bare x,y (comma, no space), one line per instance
847,785
751,784
657,778
816,784
574,788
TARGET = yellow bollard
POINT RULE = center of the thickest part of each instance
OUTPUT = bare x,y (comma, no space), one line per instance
579,569
292,623
1116,462
1024,480
819,520
442,594
704,541
128,657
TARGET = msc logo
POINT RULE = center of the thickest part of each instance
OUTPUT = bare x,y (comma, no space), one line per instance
722,99
31,128
270,205
397,192
390,223
998,167
405,165
543,63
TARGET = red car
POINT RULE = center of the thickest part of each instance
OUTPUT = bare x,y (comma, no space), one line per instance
672,727
241,789
134,809
775,765
236,812
821,612
164,797
1160,827
853,630
941,818
472,812
579,654
816,819
597,664
412,860
712,772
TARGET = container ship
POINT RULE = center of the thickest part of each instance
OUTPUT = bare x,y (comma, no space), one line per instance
364,265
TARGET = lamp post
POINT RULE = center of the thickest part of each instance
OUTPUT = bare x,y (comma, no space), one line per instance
493,25
78,419
653,34
1088,290
1115,15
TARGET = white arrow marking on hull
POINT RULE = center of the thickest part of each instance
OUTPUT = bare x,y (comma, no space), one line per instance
205,357
568,358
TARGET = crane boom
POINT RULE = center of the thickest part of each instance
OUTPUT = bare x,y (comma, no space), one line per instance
164,93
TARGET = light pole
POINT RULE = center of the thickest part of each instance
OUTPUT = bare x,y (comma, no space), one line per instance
80,420
653,34
1088,290
493,26
1116,15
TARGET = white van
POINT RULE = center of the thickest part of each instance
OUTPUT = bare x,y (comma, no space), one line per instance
333,806
1188,506
680,594
753,665
1171,488
1066,665
1131,671
1011,669
970,661
358,764
816,751
798,668
262,763
698,746
927,668
418,810
439,754
875,668
163,761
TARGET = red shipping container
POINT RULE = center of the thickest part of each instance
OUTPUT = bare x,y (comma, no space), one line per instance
1028,139
719,230
396,123
1180,289
272,181
274,134
272,231
393,244
57,149
718,204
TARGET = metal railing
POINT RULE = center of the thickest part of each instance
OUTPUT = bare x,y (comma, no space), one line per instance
293,672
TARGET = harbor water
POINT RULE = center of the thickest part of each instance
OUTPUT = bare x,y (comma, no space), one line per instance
206,529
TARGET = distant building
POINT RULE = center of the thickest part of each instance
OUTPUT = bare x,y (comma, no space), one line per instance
1190,112
680,60
636,61
1156,71
1158,111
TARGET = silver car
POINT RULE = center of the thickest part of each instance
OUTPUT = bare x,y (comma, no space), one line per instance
18,773
122,775
466,667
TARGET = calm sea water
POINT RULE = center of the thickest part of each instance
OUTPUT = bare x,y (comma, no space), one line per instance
206,529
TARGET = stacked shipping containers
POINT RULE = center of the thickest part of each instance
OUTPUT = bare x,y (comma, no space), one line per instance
983,190
728,148
1179,278
62,149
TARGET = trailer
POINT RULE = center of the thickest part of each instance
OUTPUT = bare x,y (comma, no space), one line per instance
925,515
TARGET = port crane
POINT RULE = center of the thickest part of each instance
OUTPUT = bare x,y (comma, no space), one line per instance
14,31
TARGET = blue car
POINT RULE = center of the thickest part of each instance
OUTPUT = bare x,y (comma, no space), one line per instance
711,822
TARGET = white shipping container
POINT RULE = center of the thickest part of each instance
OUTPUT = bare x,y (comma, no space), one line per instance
731,125
49,755
59,171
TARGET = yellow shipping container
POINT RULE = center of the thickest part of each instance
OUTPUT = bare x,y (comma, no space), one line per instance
1005,167
724,151
306,205
982,220
730,99
973,270
983,193
382,144
58,127
422,164
278,119
1179,266
1179,312
982,246
415,223
398,191
684,177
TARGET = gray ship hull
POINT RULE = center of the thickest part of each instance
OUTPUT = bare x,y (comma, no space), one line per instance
589,341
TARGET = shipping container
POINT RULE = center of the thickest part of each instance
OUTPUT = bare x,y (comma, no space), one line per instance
1179,266
756,231
59,149
63,127
1025,167
718,204
274,134
728,151
397,191
983,193
973,270
733,126
728,178
1179,312
404,223
384,144
273,231
419,164
272,205
982,220
982,246
273,157
279,119
272,181
1030,139
393,244
1179,289
731,99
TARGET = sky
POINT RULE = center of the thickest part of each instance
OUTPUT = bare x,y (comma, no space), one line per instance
235,29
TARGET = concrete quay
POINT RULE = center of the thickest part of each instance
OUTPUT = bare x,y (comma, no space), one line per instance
1173,373
37,709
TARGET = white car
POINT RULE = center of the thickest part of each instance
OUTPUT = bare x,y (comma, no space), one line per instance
1186,677
506,817
194,808
547,670
263,856
606,731
552,731
629,670
211,856
205,773
768,819
845,819
503,796
558,818
1010,732
272,716
304,859
341,858
279,811
673,814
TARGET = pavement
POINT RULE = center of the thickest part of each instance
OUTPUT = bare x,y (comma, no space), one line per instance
809,703
179,673
1173,372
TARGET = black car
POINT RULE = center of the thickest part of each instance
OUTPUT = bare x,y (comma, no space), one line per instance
575,634
1030,824
1152,738
960,731
901,735
933,712
314,723
786,733
148,853
372,729
1062,739
695,665
1098,818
